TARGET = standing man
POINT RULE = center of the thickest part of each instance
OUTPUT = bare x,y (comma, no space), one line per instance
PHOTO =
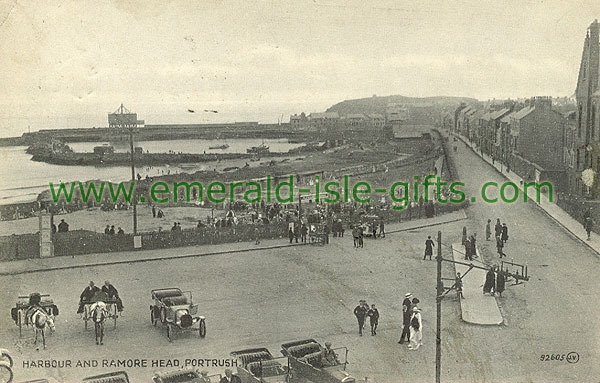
381,229
588,225
498,228
154,210
428,248
458,283
303,232
360,312
107,230
500,246
291,234
488,230
406,314
373,315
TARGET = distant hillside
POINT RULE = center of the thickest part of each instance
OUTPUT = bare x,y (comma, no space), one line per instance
378,104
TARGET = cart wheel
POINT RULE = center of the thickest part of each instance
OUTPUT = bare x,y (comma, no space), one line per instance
152,320
6,374
115,319
163,315
4,357
20,323
169,332
85,320
202,328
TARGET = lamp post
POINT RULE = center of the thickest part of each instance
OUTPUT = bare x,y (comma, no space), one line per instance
134,202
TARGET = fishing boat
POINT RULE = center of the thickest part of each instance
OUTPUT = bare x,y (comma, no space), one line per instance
261,149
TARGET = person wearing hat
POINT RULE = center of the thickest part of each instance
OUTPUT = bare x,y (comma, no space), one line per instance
416,330
329,356
204,377
406,314
87,295
360,312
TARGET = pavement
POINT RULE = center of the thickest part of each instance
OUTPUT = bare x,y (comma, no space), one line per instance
550,208
129,257
476,308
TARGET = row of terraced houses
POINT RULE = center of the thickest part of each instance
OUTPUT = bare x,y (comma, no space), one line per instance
537,142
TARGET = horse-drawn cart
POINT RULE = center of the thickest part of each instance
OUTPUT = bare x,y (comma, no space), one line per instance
175,309
309,360
110,310
257,365
21,312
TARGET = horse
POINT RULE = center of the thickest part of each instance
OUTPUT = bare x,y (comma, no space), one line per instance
39,319
99,314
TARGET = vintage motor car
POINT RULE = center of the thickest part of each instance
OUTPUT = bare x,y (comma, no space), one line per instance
111,377
182,376
307,360
257,365
176,310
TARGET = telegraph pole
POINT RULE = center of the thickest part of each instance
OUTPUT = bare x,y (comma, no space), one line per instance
133,180
438,331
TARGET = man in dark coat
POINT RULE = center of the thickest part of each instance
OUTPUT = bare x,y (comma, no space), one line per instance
112,293
406,314
500,246
498,228
229,377
588,225
87,295
373,315
360,312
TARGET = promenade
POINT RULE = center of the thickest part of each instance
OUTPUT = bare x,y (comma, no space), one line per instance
127,257
476,308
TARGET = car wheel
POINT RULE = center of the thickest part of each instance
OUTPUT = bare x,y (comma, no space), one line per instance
202,328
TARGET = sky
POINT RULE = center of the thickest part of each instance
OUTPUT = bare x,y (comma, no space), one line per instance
69,63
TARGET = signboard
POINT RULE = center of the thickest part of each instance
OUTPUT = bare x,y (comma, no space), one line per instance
46,245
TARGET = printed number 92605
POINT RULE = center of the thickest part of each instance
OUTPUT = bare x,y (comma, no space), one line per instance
552,357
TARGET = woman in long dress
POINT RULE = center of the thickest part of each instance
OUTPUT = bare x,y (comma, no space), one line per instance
416,330
490,281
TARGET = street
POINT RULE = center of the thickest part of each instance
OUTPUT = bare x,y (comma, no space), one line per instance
265,298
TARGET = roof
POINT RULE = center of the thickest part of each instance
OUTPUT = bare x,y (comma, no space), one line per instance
486,116
523,112
355,115
324,115
508,117
499,113
375,115
411,131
